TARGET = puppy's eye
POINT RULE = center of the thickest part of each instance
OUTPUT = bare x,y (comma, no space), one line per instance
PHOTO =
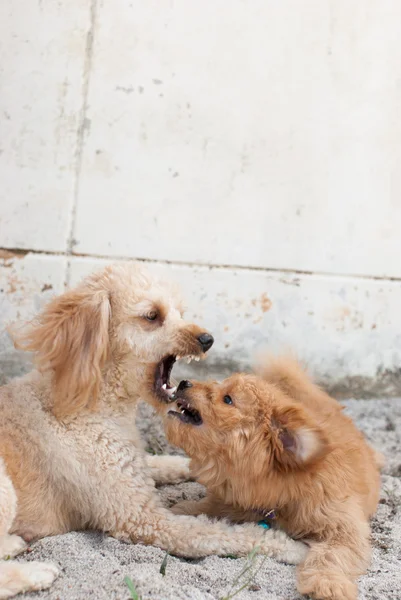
152,315
228,400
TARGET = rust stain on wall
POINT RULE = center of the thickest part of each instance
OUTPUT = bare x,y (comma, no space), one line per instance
346,318
14,284
7,257
265,302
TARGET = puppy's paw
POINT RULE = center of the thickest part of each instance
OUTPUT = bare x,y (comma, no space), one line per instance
38,575
278,545
178,469
169,469
327,586
11,545
17,578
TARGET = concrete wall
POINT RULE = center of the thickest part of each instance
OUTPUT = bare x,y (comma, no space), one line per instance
251,150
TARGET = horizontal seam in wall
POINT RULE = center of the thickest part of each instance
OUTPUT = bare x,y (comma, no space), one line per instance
21,252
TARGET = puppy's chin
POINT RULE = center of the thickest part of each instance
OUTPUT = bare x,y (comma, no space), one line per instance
174,429
179,434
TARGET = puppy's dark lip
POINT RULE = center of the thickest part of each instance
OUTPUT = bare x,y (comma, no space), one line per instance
186,413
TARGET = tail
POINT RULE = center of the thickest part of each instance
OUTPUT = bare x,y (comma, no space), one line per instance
286,373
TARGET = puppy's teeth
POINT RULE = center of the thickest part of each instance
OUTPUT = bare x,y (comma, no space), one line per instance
182,410
164,386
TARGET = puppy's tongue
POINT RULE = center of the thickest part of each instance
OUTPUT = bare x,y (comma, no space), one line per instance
170,391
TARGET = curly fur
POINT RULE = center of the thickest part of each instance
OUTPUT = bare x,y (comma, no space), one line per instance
70,454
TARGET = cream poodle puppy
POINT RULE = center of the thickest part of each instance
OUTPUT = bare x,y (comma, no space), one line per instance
70,454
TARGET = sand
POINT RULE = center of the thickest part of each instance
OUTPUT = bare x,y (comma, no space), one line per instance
94,565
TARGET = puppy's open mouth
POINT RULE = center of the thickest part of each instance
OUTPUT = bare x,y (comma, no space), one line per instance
186,413
164,388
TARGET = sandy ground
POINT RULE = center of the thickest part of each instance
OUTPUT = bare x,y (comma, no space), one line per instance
94,566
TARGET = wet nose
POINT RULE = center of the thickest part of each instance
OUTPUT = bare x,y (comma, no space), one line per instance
183,385
206,341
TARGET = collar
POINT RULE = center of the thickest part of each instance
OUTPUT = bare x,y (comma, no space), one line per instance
266,514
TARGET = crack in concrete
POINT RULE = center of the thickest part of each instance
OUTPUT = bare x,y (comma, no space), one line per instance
158,261
83,126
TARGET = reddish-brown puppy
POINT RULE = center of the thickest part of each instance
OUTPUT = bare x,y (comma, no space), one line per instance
278,442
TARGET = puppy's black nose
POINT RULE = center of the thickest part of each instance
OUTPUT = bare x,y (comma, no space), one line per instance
183,385
206,341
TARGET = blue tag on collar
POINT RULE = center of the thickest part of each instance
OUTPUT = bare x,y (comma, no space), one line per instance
264,524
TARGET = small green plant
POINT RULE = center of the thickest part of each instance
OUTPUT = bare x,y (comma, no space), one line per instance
246,575
164,565
129,583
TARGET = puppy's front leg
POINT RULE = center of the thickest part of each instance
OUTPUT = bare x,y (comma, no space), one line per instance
197,537
213,507
168,469
194,508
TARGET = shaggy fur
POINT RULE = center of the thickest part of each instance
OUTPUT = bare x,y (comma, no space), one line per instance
70,455
279,442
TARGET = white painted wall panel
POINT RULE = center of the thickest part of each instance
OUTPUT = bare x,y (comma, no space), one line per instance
265,135
241,141
42,54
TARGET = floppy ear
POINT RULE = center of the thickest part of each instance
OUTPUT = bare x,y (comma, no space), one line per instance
71,338
297,438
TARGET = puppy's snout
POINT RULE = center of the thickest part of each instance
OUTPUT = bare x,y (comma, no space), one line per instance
183,385
206,341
